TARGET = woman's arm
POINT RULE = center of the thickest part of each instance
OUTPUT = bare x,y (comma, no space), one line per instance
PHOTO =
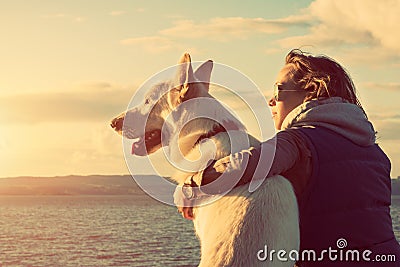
274,156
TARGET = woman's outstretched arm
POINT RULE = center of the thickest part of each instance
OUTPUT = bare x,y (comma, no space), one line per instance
274,156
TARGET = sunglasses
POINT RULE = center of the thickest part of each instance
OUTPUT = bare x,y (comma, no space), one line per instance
277,90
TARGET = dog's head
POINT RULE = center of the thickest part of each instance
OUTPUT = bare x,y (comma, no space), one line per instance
145,122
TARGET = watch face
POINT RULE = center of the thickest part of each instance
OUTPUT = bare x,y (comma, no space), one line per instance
187,191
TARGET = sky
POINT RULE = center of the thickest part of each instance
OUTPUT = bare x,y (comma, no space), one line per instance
68,67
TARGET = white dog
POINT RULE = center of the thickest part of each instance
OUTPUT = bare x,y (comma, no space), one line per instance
233,228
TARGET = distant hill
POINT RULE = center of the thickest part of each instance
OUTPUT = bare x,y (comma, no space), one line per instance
75,185
94,185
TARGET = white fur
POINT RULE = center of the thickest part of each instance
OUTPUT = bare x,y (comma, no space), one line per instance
234,227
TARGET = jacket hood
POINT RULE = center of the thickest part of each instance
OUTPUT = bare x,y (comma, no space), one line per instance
336,114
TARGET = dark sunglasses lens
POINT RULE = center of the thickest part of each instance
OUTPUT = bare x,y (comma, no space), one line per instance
276,92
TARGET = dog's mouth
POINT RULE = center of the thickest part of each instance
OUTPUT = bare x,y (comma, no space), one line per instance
147,144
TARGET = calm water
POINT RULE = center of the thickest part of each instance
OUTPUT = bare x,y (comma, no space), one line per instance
93,231
99,231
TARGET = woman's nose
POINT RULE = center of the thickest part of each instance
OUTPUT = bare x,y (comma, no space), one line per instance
271,102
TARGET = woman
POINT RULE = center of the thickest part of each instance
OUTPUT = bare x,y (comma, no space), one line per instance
325,146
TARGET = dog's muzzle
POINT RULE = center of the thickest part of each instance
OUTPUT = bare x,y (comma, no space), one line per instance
117,124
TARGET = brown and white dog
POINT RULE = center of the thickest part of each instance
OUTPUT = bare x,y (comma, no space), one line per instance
183,115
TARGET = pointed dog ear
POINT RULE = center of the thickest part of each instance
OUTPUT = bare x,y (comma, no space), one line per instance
203,73
184,76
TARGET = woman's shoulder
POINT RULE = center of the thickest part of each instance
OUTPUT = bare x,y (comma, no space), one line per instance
292,134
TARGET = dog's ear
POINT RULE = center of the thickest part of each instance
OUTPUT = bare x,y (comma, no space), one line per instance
203,73
187,83
184,76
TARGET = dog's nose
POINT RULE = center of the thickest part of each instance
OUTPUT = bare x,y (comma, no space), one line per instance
117,123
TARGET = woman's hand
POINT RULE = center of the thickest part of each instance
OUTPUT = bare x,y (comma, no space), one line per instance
185,206
220,165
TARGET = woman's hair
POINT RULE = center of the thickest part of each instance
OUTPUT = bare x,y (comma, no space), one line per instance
321,77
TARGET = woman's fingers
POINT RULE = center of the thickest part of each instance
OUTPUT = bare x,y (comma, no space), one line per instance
187,212
221,164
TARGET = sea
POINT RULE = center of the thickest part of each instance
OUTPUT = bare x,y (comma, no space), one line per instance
102,230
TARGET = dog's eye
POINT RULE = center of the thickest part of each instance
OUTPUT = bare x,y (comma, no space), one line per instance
147,101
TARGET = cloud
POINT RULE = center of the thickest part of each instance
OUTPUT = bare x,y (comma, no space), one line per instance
393,86
361,28
216,29
105,142
117,13
385,116
94,102
54,16
103,145
78,19
387,124
231,28
157,44
388,130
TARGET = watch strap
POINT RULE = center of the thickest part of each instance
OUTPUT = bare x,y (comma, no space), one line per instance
197,193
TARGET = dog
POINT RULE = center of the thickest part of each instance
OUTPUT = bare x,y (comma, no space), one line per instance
233,227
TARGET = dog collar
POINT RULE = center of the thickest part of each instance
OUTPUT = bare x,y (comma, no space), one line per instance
218,128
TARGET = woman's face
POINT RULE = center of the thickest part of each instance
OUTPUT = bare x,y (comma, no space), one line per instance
287,100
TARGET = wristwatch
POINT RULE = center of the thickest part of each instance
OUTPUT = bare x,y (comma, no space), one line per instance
188,191
191,190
